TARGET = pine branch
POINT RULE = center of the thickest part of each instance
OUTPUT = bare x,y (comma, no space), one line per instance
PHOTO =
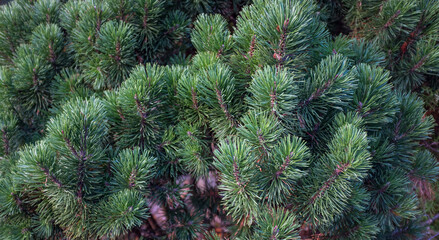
223,105
98,23
18,201
339,170
391,19
35,77
412,36
273,99
419,64
280,52
319,92
284,165
194,99
145,17
384,188
132,179
252,47
430,220
236,172
143,115
5,141
50,175
70,146
434,236
82,159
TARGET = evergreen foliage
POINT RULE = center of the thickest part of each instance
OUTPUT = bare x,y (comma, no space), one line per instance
171,120
406,31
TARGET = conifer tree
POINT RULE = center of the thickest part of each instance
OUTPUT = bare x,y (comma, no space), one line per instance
270,129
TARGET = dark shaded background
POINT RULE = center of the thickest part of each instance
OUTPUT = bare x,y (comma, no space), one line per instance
4,1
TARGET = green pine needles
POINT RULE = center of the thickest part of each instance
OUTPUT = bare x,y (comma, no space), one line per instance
406,31
160,119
